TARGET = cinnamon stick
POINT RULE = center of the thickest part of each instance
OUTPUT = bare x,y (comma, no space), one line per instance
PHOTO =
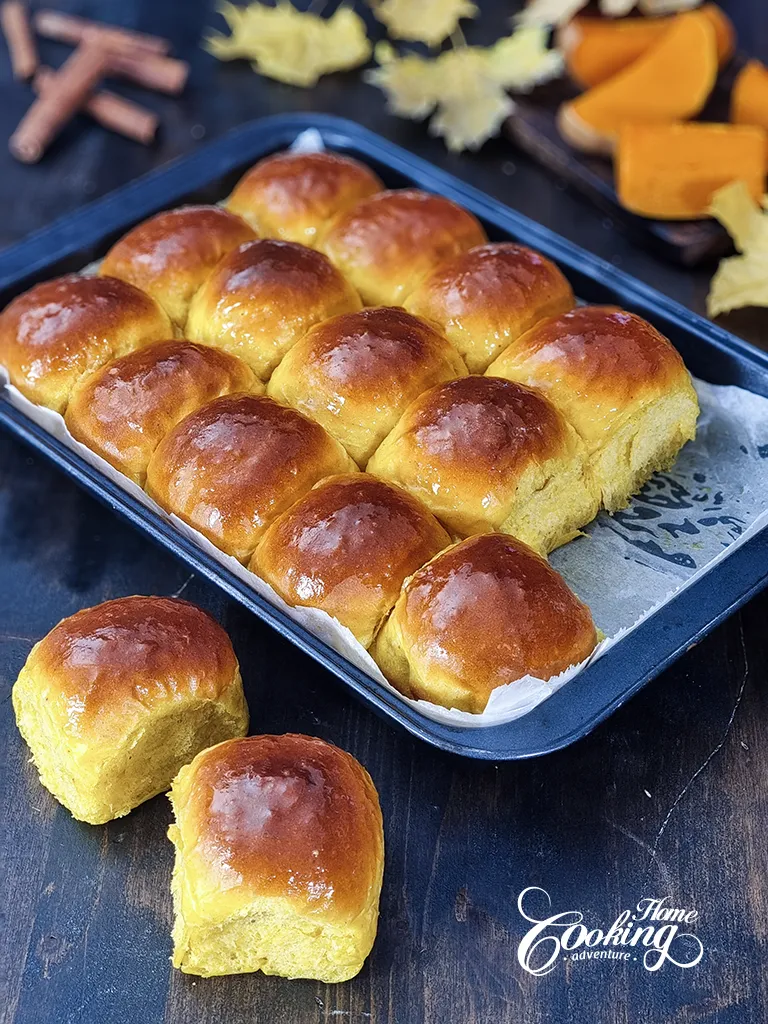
68,28
49,113
153,71
110,110
21,43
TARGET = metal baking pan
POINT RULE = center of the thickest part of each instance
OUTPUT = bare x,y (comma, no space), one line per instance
710,353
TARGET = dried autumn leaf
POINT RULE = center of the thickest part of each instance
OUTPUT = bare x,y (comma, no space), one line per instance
289,45
467,85
411,83
740,280
657,7
425,21
550,12
472,102
522,60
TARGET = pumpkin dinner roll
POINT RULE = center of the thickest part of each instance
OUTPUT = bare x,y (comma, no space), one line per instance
486,298
234,465
356,373
60,330
116,698
346,547
295,196
170,255
279,860
620,383
387,244
263,297
483,613
486,454
124,410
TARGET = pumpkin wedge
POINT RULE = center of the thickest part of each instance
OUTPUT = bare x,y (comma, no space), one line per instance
670,171
670,82
595,49
749,99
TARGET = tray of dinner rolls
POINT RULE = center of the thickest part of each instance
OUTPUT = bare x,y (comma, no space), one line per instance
492,483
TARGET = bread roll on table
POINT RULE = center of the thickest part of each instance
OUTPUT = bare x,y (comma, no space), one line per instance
486,298
486,454
387,244
124,410
171,254
620,383
356,373
230,468
263,297
60,330
116,698
279,860
346,547
296,196
485,612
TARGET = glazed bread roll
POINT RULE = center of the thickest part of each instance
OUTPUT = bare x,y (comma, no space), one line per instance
170,255
279,860
234,465
486,454
263,297
124,410
295,196
116,698
486,298
60,330
346,547
619,382
356,373
485,612
388,243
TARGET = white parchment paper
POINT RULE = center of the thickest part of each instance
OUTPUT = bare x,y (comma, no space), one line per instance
625,567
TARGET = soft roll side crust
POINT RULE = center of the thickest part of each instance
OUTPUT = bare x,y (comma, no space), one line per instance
59,331
296,196
485,454
483,613
124,410
279,860
230,468
622,385
116,698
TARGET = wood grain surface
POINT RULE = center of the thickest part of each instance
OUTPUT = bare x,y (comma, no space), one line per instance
668,798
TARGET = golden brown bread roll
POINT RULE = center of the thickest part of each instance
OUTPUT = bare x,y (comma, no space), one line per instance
170,255
295,196
60,330
486,454
486,298
388,243
356,373
263,297
483,613
619,382
124,410
346,547
116,698
279,860
233,466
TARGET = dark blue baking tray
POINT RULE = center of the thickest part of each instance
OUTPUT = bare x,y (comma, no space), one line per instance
710,353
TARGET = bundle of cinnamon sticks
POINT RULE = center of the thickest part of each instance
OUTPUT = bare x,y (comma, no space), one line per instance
101,51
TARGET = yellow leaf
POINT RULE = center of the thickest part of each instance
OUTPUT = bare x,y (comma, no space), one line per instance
423,21
467,121
411,83
522,60
550,12
289,45
740,280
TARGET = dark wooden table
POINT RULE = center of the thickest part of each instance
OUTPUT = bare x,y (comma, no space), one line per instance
668,799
